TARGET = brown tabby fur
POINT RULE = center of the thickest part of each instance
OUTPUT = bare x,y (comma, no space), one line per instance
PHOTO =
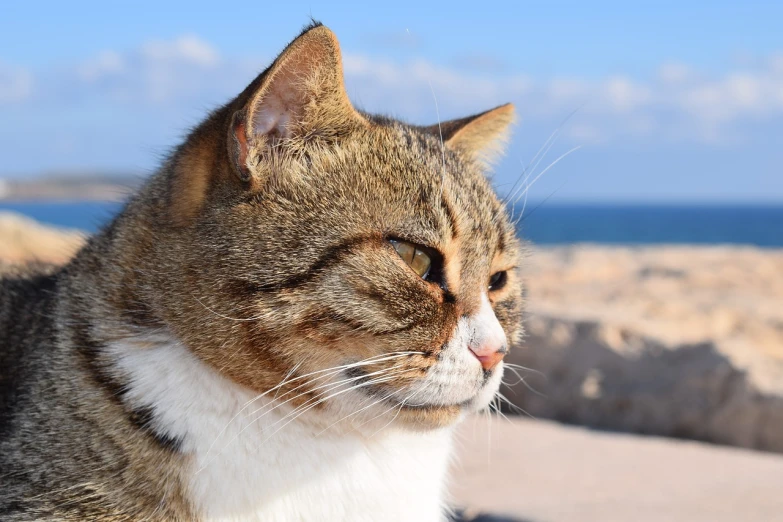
259,252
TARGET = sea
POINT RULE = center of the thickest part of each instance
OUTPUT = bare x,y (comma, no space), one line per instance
548,223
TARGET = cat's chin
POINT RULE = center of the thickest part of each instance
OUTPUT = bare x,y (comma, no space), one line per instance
430,417
425,416
434,417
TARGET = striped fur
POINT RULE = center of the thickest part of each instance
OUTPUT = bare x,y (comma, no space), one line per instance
242,342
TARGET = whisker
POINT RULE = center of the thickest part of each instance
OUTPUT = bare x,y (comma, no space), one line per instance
522,216
514,366
522,380
402,405
528,173
238,319
524,204
488,416
440,133
393,406
515,407
248,403
331,386
527,170
562,156
302,412
495,405
327,371
357,411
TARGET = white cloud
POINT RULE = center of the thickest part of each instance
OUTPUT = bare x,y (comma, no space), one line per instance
188,48
105,63
776,63
411,89
675,73
676,102
186,70
162,71
16,84
586,134
623,95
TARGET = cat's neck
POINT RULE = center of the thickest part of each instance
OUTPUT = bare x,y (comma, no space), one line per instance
248,462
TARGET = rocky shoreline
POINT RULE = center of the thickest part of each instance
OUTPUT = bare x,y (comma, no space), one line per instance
677,341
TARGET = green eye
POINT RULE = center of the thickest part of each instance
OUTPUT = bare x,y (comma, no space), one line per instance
419,261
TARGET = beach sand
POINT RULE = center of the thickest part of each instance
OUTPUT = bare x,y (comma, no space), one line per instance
543,471
23,240
681,341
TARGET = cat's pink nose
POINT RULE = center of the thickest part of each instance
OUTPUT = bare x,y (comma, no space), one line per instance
490,354
487,339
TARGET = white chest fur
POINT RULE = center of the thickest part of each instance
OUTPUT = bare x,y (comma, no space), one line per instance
248,466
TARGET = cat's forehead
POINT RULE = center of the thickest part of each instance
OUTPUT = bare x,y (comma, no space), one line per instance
401,180
430,189
439,177
445,197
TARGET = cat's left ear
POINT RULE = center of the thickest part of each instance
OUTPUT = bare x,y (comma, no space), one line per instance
301,96
482,136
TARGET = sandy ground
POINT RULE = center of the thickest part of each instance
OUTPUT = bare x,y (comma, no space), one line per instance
673,340
23,240
729,295
543,471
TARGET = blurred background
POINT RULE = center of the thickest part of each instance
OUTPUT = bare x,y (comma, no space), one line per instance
645,170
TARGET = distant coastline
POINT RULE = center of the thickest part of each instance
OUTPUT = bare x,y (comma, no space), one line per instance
70,188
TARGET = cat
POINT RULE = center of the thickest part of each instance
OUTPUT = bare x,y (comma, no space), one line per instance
286,322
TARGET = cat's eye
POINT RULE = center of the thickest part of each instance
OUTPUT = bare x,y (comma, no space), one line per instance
415,257
498,280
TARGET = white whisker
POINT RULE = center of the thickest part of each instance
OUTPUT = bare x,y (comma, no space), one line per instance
522,380
327,372
382,399
547,145
302,412
440,133
562,156
515,407
331,386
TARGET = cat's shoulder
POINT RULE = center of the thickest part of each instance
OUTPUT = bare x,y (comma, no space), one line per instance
23,289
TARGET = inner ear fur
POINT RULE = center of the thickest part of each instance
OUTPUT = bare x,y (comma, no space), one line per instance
300,97
482,136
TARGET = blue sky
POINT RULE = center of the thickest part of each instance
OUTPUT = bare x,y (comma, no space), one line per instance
673,102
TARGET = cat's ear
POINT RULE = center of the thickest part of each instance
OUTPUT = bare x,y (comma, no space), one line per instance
301,95
482,136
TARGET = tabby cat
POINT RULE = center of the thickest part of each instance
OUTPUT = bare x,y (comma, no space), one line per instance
285,323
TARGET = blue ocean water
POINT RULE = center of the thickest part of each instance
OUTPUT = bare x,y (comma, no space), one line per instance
651,224
549,223
84,215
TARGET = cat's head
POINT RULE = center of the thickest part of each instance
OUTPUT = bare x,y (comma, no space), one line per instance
364,263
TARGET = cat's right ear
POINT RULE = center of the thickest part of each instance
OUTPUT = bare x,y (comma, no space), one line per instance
481,136
301,96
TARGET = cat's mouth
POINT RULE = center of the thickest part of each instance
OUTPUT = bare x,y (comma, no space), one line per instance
409,404
424,408
432,405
